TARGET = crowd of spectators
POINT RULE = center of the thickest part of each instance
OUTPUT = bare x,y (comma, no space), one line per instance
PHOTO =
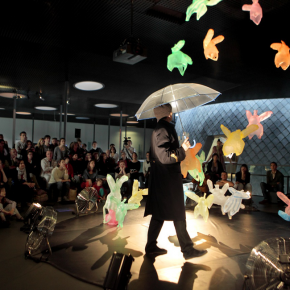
52,167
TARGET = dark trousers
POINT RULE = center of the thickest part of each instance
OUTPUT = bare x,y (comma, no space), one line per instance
155,226
58,189
266,189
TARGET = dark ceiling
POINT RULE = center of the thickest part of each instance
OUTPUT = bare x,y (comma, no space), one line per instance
43,43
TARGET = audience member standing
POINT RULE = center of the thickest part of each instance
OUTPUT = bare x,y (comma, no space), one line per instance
21,145
218,149
47,146
95,148
129,150
114,154
61,151
275,182
39,150
214,169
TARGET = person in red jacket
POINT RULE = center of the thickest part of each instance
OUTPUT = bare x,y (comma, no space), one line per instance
69,168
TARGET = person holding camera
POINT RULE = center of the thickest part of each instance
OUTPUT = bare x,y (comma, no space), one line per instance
128,149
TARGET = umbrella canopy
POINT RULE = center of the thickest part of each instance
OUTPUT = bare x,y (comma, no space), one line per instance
182,97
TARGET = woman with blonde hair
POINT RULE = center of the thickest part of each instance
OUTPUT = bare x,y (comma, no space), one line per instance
39,149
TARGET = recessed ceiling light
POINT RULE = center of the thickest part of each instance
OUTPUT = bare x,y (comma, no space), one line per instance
69,114
23,113
45,108
132,122
119,115
82,118
88,86
107,106
12,95
2,108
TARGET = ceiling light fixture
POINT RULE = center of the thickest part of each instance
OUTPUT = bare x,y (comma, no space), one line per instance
40,97
106,106
2,108
68,114
132,122
89,86
82,118
45,108
23,113
13,95
119,115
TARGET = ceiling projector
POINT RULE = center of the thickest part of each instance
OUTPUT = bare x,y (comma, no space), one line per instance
130,52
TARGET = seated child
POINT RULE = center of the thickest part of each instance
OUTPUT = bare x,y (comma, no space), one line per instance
7,208
102,193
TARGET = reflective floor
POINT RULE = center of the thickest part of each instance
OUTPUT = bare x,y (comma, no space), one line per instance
83,247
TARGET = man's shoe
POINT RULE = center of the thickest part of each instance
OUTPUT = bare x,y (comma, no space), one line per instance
264,201
156,251
194,254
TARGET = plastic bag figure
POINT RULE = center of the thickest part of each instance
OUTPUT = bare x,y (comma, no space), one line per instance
234,202
284,215
256,120
256,12
193,163
202,206
282,57
235,143
137,194
178,59
210,50
199,7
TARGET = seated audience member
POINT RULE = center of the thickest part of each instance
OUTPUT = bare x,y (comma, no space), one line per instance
114,154
29,147
134,167
126,189
129,150
243,178
88,158
224,180
4,154
275,182
105,166
21,145
90,175
102,193
7,208
59,182
95,149
5,143
96,156
77,170
53,144
32,168
76,150
84,147
61,151
112,145
23,188
125,159
146,169
47,165
69,167
39,150
214,169
12,161
219,151
81,147
47,146
3,177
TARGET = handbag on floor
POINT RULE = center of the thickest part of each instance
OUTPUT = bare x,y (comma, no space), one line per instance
72,194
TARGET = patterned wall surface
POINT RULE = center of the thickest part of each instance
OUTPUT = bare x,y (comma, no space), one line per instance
274,145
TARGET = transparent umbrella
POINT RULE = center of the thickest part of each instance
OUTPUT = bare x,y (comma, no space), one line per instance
182,97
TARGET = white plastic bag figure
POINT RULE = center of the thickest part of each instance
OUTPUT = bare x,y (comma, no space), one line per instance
234,202
203,204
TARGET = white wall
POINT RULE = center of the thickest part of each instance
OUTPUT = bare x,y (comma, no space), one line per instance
51,128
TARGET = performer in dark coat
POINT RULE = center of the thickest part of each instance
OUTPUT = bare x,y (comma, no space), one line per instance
165,199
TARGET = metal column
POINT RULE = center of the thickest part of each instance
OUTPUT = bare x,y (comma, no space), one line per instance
32,129
14,122
120,133
144,151
109,132
60,121
94,130
66,94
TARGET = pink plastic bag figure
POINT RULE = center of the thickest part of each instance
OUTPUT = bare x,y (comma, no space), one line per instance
256,12
111,218
282,57
285,215
210,50
256,120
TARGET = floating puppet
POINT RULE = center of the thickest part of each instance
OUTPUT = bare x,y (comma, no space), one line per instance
193,163
235,143
234,202
178,59
199,7
218,194
255,119
116,208
256,12
202,206
284,215
282,57
137,195
210,50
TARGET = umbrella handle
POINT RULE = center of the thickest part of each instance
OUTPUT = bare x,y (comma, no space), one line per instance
194,143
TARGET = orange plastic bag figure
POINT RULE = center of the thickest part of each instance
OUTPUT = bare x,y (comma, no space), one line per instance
256,12
210,50
282,57
235,143
191,162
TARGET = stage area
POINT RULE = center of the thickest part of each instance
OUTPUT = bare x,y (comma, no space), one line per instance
82,247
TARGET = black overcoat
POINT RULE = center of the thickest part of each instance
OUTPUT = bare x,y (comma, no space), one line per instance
165,193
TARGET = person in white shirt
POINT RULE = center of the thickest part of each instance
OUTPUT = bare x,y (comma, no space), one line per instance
129,150
47,164
21,145
59,182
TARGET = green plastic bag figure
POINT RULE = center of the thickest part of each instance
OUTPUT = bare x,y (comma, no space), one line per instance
199,7
178,59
